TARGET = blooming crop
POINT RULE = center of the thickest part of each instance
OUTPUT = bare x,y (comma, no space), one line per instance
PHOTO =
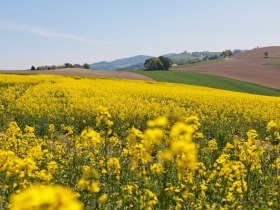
74,143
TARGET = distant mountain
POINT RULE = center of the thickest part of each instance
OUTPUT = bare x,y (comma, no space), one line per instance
120,63
139,66
169,55
137,62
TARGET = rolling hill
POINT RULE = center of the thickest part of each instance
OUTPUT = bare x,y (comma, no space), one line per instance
249,66
273,52
182,57
120,63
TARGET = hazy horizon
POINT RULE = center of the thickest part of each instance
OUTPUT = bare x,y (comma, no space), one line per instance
55,32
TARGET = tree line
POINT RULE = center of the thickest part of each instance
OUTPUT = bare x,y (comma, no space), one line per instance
66,65
164,63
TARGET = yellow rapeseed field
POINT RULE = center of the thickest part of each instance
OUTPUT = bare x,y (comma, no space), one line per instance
80,143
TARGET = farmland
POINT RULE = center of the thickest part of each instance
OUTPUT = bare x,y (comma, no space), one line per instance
207,80
82,73
248,66
129,144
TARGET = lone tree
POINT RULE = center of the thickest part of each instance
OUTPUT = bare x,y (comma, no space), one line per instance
86,66
33,68
226,53
265,55
160,63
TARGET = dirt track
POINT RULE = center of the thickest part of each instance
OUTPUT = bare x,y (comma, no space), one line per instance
83,72
256,70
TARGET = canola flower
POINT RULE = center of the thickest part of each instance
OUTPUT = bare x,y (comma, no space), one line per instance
134,145
46,197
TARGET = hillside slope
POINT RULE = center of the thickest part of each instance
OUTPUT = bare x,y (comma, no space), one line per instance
273,51
249,66
181,57
209,81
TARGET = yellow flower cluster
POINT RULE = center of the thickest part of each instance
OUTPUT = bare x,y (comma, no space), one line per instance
23,159
89,180
212,145
46,197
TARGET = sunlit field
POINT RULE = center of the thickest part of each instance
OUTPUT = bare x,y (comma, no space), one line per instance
80,143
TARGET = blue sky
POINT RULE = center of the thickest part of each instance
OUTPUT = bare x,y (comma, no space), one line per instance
34,32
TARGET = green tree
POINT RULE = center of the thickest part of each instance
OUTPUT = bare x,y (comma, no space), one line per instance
160,63
68,65
86,66
153,64
226,53
166,62
230,53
